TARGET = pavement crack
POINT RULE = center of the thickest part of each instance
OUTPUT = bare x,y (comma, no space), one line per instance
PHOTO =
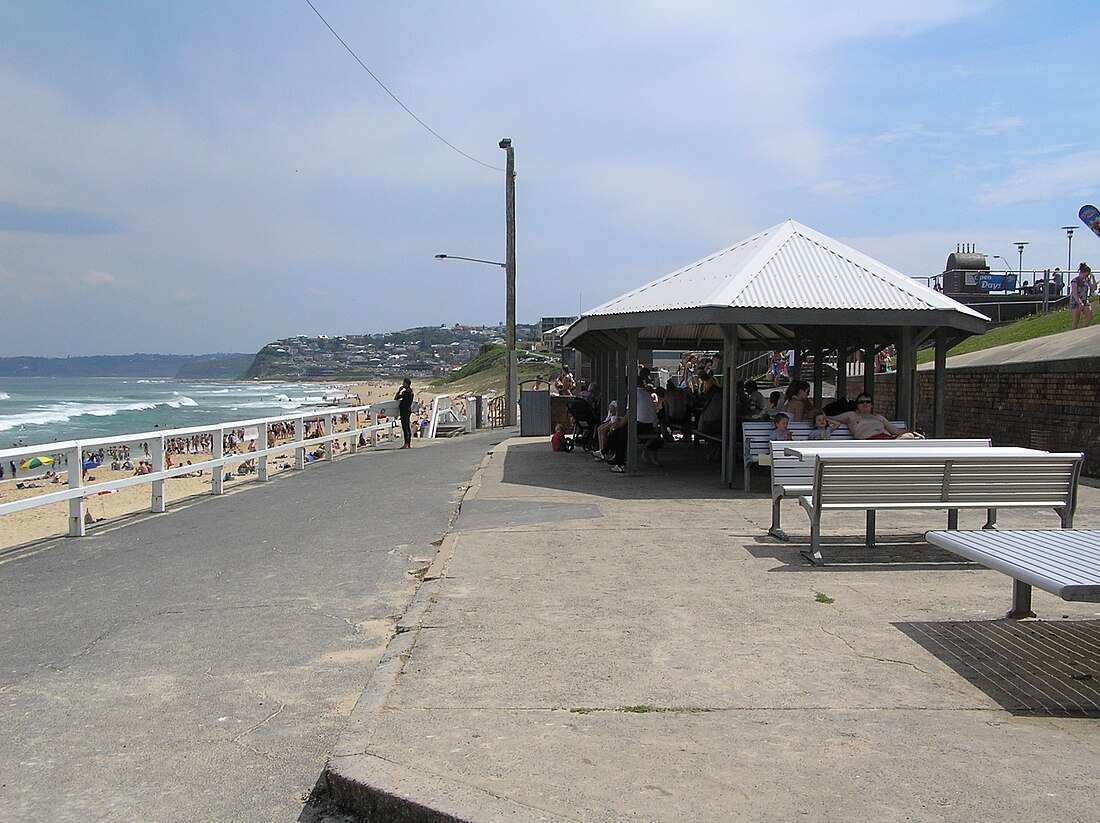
255,726
875,658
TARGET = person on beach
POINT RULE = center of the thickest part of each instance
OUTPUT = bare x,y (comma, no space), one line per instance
1081,288
866,425
404,409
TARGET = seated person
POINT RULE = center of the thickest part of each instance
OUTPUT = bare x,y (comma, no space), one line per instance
604,429
757,403
822,430
710,418
775,401
557,439
781,432
796,403
676,406
864,424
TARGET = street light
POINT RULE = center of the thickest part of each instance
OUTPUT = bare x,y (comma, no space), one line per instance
511,389
1069,230
1020,248
1008,268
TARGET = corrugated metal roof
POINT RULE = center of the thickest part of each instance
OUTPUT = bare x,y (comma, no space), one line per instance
789,266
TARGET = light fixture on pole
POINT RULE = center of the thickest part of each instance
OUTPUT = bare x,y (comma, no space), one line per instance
471,259
1069,230
1008,266
1020,248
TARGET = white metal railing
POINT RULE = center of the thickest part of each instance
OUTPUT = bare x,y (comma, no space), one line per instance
71,453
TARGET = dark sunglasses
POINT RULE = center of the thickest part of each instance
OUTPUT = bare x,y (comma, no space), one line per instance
863,402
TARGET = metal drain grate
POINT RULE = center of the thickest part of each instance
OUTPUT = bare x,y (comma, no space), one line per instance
1028,667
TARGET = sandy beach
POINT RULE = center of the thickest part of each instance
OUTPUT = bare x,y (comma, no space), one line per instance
109,508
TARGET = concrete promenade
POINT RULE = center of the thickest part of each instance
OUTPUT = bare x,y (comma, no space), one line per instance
200,664
599,647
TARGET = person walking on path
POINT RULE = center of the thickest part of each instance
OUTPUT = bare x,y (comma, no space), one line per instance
404,409
1080,295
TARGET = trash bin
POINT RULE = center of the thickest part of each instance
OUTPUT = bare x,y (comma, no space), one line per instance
534,413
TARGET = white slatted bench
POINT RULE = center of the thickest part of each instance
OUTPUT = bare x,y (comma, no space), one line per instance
756,440
930,478
793,477
1065,563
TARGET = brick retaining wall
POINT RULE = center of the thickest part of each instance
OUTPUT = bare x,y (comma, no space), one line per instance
1053,406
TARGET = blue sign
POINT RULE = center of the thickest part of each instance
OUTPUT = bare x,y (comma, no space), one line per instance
997,282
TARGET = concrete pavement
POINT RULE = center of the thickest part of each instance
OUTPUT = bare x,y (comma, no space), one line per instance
200,664
599,647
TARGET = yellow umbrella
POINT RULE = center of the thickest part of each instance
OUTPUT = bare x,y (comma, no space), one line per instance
36,462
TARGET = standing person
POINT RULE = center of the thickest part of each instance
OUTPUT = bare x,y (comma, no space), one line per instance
404,409
1080,294
566,382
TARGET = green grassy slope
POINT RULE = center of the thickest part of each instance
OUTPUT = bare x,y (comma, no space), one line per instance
1029,328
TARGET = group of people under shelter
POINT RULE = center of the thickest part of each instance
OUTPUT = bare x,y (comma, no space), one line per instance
692,406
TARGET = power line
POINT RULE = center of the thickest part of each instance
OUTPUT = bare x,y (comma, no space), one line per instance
409,111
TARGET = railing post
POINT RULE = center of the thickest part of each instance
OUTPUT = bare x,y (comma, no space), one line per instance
157,503
217,484
261,445
75,457
299,451
353,425
330,429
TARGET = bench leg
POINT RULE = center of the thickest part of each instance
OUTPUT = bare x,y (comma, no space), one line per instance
1066,516
814,555
747,467
952,520
775,531
870,537
990,519
1021,601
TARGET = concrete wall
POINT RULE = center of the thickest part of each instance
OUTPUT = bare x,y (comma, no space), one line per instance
1053,406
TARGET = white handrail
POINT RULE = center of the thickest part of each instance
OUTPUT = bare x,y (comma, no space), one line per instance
73,451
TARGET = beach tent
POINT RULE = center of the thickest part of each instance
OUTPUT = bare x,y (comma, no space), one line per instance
786,288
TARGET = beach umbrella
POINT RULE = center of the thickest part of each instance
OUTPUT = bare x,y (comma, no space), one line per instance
90,464
36,462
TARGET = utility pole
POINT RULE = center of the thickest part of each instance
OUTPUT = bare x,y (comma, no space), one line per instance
511,393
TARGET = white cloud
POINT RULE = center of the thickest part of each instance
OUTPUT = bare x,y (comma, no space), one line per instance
1076,174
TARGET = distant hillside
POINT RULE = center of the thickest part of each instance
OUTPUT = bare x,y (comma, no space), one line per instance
183,366
420,352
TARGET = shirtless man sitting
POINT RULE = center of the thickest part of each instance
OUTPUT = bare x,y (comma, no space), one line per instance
864,424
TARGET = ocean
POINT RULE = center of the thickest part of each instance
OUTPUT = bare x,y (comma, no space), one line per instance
37,410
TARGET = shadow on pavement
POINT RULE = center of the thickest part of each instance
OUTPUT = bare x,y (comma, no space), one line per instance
1030,668
685,474
850,555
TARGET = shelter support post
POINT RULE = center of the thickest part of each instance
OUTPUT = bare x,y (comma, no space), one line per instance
819,374
729,408
939,391
906,375
631,374
842,369
869,367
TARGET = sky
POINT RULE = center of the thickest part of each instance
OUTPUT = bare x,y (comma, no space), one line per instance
209,176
